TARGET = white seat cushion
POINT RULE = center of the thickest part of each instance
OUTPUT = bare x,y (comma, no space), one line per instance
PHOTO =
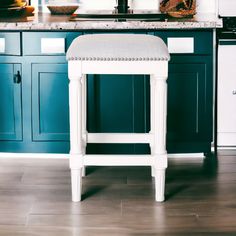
118,47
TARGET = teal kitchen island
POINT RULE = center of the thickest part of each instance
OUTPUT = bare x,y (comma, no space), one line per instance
34,112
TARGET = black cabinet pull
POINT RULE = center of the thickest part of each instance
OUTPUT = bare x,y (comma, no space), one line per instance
17,78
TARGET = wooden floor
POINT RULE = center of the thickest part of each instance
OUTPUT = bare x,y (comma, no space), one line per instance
35,199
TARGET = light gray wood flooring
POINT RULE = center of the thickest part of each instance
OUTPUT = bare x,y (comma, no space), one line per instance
35,199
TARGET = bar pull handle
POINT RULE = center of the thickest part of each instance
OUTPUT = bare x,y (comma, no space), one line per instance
180,44
53,45
2,45
17,77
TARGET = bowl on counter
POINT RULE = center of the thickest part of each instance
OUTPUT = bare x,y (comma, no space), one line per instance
62,9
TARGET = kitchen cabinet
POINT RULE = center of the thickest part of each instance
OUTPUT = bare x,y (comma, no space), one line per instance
189,122
118,103
114,104
10,43
50,113
11,102
189,112
190,100
190,90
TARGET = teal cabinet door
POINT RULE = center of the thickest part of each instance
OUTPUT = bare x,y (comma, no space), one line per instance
117,103
50,108
122,104
190,99
10,102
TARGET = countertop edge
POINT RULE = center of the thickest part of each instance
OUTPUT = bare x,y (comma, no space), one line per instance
48,22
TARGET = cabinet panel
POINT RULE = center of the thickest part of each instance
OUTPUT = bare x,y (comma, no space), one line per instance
10,103
189,117
122,104
50,108
49,37
118,103
10,43
185,96
202,40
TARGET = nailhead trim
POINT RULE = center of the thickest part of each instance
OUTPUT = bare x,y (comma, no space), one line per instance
118,59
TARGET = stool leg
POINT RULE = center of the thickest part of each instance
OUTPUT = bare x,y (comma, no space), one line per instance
76,146
84,117
84,171
158,128
152,170
76,184
160,185
152,116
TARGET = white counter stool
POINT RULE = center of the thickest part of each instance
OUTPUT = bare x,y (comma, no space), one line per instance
117,54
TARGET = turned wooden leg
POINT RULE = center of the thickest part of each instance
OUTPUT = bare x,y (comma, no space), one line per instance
158,129
76,128
152,118
84,117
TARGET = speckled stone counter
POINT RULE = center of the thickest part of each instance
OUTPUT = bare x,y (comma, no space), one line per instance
49,22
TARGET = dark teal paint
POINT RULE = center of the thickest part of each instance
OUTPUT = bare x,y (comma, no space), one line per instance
115,103
10,105
203,40
50,113
119,105
189,101
12,43
32,41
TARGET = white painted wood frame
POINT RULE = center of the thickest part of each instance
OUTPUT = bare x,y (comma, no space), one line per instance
79,137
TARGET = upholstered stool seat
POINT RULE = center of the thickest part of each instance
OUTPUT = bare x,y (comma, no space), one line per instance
122,47
118,54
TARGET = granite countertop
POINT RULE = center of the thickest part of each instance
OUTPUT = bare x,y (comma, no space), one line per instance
46,21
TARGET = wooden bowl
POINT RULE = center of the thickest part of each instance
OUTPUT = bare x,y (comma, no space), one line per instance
62,9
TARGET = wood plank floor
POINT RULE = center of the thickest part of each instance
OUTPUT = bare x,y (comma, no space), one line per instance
35,199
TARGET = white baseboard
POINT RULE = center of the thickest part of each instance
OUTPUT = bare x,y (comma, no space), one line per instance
66,156
186,155
34,155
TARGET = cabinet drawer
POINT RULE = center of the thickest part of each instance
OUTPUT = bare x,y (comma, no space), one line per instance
187,42
47,43
10,44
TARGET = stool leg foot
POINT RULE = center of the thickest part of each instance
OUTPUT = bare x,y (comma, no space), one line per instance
84,171
76,184
160,184
152,171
